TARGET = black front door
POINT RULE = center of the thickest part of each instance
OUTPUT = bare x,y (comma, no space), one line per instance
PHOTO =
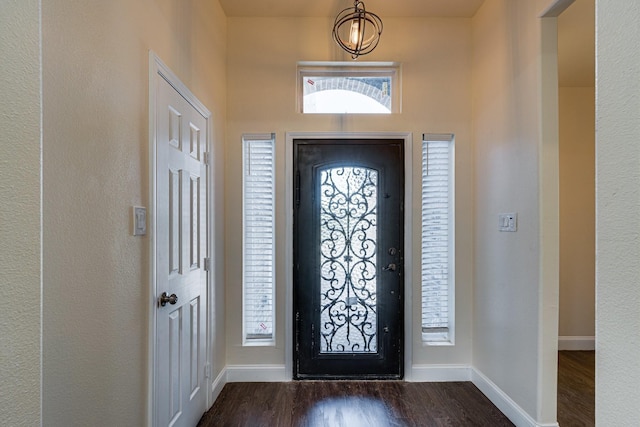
348,259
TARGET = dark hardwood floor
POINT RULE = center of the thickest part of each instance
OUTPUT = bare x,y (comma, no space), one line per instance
352,404
393,403
576,388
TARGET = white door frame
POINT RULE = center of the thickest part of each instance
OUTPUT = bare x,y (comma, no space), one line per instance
158,70
549,208
408,242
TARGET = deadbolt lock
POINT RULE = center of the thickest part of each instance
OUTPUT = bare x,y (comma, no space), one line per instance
390,267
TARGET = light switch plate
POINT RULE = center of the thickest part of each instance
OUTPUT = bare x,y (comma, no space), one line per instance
508,222
139,221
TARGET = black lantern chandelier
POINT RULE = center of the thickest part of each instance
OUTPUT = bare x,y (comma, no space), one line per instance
356,30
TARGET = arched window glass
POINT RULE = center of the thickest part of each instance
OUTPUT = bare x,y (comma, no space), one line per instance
340,89
343,102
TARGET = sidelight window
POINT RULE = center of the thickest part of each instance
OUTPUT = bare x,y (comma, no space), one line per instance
437,238
258,240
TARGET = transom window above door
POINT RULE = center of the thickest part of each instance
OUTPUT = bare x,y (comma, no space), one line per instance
347,88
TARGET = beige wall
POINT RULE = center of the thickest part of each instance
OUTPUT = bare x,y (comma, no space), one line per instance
96,274
95,166
20,192
577,211
515,296
436,77
618,213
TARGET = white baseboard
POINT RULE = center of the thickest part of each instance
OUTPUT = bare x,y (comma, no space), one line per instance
277,373
576,343
257,373
439,373
509,408
218,384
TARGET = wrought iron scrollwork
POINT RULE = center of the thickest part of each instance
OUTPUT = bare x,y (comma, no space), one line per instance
348,222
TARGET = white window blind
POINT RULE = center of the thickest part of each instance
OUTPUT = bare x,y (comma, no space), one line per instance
437,238
258,240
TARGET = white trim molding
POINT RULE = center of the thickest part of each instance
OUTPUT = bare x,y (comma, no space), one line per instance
218,384
278,373
257,373
439,373
576,343
504,403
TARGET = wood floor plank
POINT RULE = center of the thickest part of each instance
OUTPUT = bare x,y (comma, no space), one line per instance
352,404
576,388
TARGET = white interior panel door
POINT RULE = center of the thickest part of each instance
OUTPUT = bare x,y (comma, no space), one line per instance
181,246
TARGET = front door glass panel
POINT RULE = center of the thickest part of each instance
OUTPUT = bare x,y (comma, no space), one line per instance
348,248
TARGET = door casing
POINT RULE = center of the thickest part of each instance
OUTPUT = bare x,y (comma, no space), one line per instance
408,218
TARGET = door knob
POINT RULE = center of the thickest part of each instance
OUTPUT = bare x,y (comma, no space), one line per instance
164,299
390,267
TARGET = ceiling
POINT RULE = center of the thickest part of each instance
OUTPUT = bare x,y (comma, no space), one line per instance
330,8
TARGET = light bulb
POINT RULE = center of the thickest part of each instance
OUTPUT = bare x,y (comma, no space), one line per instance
354,33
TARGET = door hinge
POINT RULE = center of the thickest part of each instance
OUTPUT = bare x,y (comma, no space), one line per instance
297,331
297,189
207,264
207,370
206,158
313,337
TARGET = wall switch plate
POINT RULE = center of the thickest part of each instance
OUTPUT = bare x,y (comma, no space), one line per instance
139,221
508,222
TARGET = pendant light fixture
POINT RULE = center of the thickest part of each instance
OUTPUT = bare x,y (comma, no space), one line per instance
356,30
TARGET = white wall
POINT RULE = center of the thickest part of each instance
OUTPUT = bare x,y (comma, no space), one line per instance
436,77
577,212
20,192
618,213
96,275
515,296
